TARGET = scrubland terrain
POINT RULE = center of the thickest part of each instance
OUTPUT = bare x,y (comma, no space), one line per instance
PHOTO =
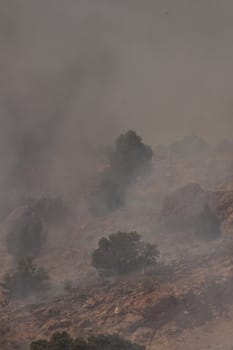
184,302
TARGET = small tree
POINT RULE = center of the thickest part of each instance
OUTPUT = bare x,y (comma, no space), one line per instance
127,159
130,154
27,236
208,225
27,279
122,253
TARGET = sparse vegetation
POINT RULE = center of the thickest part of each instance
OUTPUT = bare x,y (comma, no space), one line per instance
63,341
122,253
207,225
27,236
26,280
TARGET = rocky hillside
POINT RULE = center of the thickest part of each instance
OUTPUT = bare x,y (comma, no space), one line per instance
185,303
176,307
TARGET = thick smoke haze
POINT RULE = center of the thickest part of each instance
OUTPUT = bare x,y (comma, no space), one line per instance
74,74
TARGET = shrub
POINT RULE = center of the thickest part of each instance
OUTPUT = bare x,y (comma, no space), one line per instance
110,342
130,154
122,253
63,341
207,225
27,236
41,344
128,158
26,280
60,341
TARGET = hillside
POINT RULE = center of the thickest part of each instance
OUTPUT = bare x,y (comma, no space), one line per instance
185,303
168,308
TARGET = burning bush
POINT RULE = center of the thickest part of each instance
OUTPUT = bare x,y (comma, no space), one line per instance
63,341
122,253
26,280
27,235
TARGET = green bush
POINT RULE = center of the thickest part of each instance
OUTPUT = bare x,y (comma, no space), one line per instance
122,253
63,341
26,280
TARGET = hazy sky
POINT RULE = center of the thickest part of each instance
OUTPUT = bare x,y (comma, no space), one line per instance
75,73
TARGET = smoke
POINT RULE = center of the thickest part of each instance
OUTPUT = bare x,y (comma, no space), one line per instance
77,73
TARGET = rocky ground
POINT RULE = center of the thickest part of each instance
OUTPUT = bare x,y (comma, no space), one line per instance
167,308
186,303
